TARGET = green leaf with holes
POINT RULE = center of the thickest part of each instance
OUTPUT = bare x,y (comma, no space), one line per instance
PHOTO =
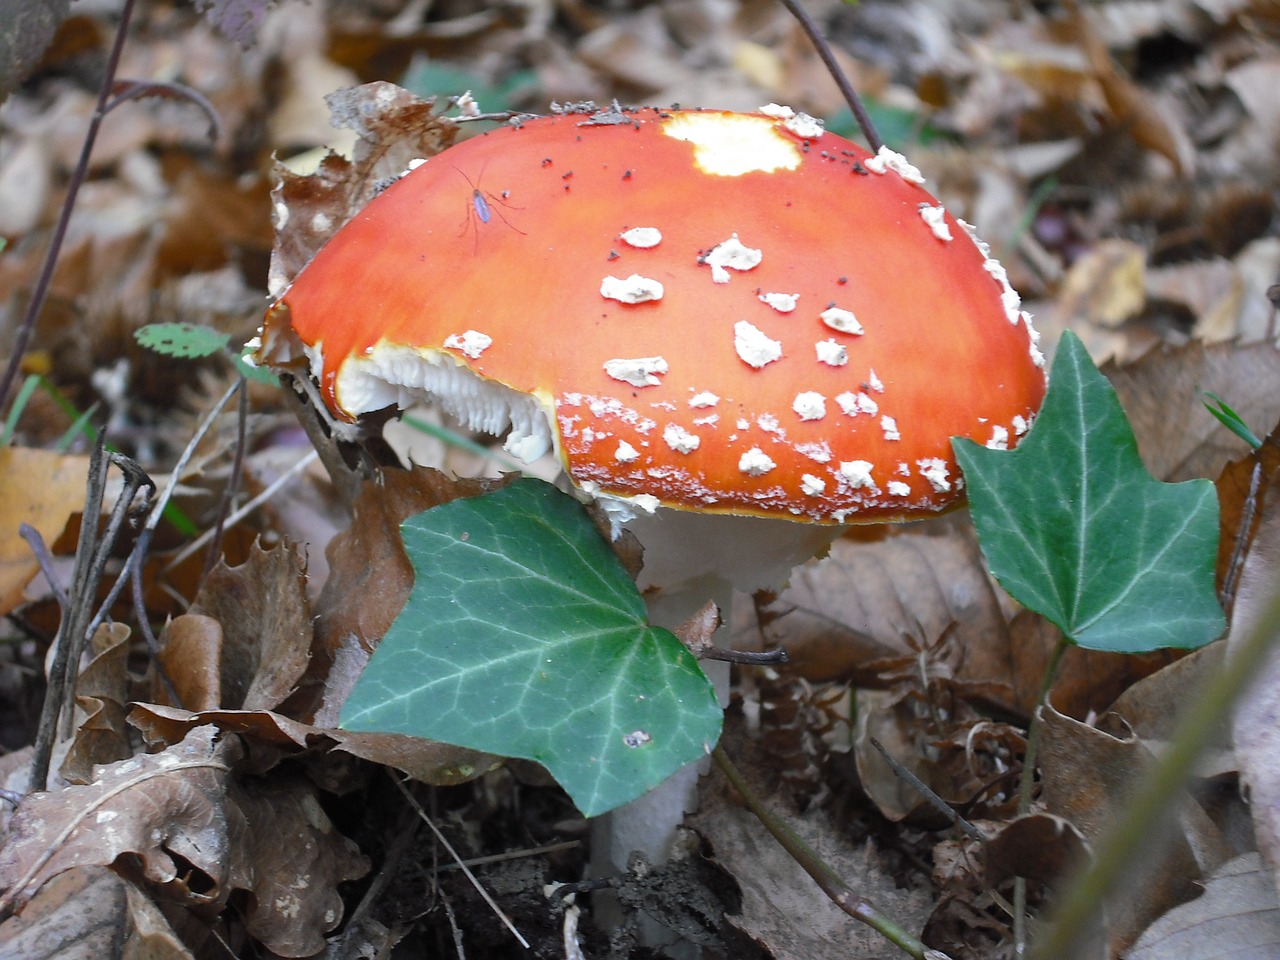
524,636
1075,528
188,341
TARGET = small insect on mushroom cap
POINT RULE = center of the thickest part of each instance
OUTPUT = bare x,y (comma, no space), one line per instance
734,313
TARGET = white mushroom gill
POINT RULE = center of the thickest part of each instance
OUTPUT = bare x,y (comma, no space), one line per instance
391,374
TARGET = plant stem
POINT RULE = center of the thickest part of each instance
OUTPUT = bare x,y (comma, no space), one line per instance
1025,787
829,61
841,894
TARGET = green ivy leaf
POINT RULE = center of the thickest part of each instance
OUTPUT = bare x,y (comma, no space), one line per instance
524,636
185,340
1075,528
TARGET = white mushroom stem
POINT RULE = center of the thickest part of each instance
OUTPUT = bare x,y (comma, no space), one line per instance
691,558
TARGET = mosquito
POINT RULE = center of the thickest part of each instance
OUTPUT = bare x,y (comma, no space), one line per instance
483,206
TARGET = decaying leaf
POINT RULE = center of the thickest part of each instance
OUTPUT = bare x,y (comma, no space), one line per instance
90,913
1162,395
261,607
102,693
180,822
1237,916
783,910
394,127
1087,774
1254,729
157,807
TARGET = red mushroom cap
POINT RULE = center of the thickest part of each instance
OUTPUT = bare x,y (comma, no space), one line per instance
726,312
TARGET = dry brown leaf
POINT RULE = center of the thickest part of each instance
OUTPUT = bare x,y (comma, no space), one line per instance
1161,393
1237,916
1087,773
102,691
191,654
42,489
844,616
393,128
1106,286
857,614
90,913
1153,706
1254,729
181,822
262,609
783,910
269,737
299,859
157,807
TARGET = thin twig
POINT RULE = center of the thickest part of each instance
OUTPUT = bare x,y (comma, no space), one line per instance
306,460
233,483
444,842
829,61
65,646
44,560
841,894
935,801
78,176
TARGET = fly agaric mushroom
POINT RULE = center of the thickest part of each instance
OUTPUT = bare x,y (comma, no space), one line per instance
704,314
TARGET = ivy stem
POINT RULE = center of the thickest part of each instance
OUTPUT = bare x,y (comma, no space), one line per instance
829,61
841,894
1027,785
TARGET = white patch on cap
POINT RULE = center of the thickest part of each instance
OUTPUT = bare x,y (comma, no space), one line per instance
886,160
852,404
904,469
642,237
936,472
936,219
999,439
804,126
856,475
1036,356
626,453
710,420
732,254
810,405
899,489
874,382
817,452
733,144
634,289
755,463
700,401
832,353
778,111
1020,425
416,162
472,343
890,428
769,424
679,439
841,320
753,346
812,485
639,372
782,302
